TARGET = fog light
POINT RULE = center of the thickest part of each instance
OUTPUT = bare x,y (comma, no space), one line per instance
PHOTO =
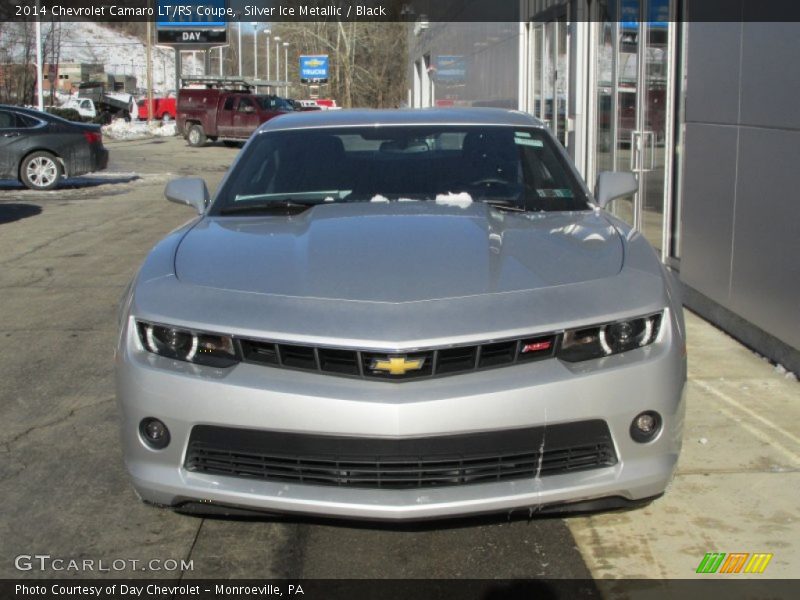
645,426
154,433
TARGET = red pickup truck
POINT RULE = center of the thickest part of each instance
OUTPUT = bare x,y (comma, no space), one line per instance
231,116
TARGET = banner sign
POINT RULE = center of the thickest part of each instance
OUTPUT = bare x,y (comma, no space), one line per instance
192,22
314,68
450,69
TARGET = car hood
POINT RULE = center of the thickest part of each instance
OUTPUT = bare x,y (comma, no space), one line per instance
398,252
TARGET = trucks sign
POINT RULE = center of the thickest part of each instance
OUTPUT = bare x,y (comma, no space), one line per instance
450,69
314,68
192,22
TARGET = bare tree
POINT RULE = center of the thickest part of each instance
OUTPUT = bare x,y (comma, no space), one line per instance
25,75
367,60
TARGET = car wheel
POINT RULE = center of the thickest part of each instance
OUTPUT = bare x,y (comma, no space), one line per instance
40,171
165,118
196,136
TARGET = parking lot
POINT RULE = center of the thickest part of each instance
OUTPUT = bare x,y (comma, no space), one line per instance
66,258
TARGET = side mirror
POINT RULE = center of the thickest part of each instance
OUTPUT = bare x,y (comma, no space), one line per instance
188,190
614,184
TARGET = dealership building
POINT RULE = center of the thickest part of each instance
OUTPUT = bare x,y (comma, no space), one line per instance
705,113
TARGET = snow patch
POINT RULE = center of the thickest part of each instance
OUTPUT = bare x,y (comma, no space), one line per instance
378,198
462,199
164,130
120,129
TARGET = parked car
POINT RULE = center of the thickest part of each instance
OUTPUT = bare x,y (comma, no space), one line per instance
39,149
232,116
327,104
164,109
401,315
306,105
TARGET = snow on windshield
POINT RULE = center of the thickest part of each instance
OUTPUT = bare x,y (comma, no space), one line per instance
462,199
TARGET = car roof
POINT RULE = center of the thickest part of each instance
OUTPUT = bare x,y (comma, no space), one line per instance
48,117
403,116
19,108
32,112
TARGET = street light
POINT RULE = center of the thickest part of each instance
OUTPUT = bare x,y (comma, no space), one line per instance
286,68
239,24
267,32
255,50
277,61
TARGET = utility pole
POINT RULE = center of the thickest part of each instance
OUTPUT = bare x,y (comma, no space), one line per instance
239,24
149,59
39,65
54,60
255,50
178,69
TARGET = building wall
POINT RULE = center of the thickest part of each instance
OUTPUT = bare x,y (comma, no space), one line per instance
490,54
71,74
740,201
739,226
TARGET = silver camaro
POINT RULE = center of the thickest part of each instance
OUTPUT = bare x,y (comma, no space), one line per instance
401,314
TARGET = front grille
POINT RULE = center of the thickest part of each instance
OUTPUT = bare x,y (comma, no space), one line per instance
398,366
400,463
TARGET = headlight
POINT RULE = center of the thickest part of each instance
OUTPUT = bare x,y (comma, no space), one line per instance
192,346
611,338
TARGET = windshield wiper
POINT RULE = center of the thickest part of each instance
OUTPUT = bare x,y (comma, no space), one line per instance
273,206
505,205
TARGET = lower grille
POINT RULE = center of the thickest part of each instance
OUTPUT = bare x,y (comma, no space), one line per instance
400,463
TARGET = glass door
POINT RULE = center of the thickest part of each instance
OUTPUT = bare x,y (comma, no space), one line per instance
651,136
549,75
633,113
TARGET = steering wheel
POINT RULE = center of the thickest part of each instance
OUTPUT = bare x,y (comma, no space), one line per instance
490,181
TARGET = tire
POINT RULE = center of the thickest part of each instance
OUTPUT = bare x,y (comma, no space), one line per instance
40,171
196,136
165,118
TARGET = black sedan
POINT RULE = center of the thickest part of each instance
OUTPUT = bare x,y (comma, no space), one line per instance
39,149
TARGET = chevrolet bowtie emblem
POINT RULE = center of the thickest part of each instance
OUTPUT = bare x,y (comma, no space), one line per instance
397,365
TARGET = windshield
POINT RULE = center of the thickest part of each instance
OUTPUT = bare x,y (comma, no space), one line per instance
512,167
274,103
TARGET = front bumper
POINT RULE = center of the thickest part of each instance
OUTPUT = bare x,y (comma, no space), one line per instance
535,395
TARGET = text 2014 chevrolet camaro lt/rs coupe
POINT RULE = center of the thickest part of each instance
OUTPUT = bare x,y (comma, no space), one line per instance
403,314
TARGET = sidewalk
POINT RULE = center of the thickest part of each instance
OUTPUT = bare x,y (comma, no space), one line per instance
736,489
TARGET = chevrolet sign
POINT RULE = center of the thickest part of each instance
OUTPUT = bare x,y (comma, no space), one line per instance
314,68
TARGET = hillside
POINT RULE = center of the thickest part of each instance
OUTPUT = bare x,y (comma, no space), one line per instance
122,53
